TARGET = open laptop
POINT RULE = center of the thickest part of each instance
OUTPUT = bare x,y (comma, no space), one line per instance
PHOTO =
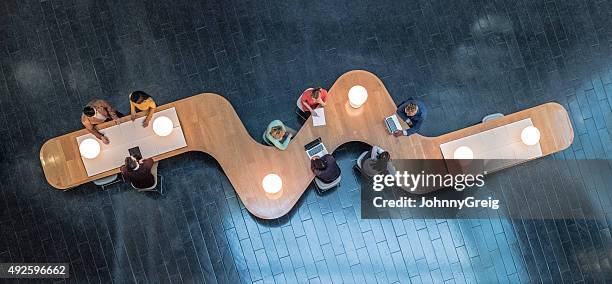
393,123
315,148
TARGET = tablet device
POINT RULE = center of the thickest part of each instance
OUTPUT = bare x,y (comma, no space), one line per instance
135,152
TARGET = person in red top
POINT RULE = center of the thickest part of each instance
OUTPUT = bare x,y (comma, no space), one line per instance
313,98
138,172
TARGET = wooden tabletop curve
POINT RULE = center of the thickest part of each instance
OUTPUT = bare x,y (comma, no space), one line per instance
211,125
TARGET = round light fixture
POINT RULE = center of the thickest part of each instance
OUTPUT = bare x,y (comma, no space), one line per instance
89,148
357,96
272,183
463,153
530,135
162,126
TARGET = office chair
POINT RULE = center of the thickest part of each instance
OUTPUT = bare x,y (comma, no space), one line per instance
324,187
159,180
109,180
491,117
298,109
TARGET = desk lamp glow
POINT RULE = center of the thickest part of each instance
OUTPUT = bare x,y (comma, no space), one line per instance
272,183
463,153
530,135
162,126
357,96
89,148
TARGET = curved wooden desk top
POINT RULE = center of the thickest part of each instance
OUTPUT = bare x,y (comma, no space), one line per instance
211,125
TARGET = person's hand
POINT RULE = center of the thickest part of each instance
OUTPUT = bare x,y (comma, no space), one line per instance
133,117
104,140
398,133
116,121
145,123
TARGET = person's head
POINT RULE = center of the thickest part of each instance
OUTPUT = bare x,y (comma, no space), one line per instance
131,163
277,132
138,97
382,161
411,109
319,164
89,111
316,92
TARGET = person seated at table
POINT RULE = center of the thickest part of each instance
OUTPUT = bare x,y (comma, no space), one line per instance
139,172
278,134
325,168
141,101
376,161
96,112
313,98
413,112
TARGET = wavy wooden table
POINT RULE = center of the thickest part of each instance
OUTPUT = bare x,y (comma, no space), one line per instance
211,125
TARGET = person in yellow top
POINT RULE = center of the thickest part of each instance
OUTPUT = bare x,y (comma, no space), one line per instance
141,101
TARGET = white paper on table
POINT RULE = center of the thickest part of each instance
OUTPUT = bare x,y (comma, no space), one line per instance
319,119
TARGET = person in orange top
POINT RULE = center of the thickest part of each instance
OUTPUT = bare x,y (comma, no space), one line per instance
96,112
313,98
141,101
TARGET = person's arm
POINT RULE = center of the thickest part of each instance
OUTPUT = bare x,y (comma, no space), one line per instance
148,164
109,109
150,113
375,151
132,111
93,130
124,173
416,125
322,98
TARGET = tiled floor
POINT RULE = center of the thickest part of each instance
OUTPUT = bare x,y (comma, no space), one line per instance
465,59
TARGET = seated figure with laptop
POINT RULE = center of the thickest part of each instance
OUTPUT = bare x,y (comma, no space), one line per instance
413,112
323,165
325,168
376,161
278,134
141,173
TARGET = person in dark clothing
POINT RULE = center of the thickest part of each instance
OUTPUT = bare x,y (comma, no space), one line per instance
377,161
413,112
139,172
325,168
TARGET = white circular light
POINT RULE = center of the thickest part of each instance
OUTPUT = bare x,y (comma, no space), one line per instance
89,148
357,95
530,135
272,183
463,153
162,126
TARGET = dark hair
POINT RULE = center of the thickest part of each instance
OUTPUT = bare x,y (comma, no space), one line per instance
385,156
319,164
316,92
136,96
382,161
130,164
89,111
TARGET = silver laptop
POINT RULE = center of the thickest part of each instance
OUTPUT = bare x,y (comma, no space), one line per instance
315,148
393,123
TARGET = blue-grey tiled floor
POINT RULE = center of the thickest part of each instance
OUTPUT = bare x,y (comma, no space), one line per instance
465,59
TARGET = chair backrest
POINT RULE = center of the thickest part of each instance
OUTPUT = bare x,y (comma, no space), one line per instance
360,158
491,117
106,180
325,186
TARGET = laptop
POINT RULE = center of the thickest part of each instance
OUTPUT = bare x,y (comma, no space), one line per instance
393,124
315,148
